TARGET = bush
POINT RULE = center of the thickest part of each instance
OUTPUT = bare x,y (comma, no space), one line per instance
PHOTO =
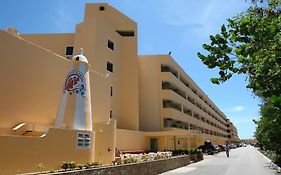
80,166
117,162
199,151
136,158
272,156
180,152
40,166
73,165
129,160
195,151
68,165
92,164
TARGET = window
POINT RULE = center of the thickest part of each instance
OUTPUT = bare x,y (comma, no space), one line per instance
111,91
101,8
109,67
126,33
83,140
69,50
110,114
110,45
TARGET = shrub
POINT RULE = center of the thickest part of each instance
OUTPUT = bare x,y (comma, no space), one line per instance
40,166
64,165
80,166
92,164
193,151
180,152
129,160
199,151
117,162
136,158
72,165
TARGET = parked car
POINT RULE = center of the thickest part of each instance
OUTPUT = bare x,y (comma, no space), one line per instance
209,149
222,147
232,146
217,148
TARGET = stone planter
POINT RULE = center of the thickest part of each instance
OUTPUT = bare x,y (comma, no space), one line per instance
199,156
144,168
193,157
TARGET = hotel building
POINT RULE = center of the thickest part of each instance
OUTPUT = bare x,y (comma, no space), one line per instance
178,104
138,103
233,134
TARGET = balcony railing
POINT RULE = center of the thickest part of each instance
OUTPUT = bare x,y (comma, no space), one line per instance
165,68
169,86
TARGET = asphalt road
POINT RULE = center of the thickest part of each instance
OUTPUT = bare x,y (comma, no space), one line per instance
242,161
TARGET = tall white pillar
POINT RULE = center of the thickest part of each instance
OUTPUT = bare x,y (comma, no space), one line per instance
75,110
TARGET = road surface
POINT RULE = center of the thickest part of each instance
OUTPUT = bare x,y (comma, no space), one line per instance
242,161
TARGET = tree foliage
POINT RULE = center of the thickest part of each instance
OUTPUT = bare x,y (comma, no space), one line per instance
268,128
250,44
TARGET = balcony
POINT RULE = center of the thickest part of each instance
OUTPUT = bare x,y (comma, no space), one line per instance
170,86
166,68
171,123
181,120
178,115
171,104
187,111
179,86
172,99
185,82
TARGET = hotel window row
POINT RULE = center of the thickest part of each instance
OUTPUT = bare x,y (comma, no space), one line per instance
171,123
187,100
189,112
166,68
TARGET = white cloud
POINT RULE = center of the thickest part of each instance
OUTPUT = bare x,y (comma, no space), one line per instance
182,13
238,108
203,17
63,17
235,109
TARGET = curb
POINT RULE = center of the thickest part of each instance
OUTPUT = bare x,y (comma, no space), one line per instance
272,165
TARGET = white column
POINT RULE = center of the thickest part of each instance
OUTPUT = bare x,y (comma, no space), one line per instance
75,110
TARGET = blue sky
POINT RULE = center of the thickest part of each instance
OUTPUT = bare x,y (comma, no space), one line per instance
179,26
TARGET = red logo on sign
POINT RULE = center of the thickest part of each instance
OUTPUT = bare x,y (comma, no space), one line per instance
75,83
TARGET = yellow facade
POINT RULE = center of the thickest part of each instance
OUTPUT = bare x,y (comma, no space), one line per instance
138,103
20,154
169,98
233,133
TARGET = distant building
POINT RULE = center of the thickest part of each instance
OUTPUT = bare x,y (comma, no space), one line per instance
251,141
138,103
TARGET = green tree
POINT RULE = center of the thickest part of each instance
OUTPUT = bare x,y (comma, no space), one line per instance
250,44
269,127
268,131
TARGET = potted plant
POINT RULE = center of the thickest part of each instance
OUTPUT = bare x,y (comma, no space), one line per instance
199,154
193,154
